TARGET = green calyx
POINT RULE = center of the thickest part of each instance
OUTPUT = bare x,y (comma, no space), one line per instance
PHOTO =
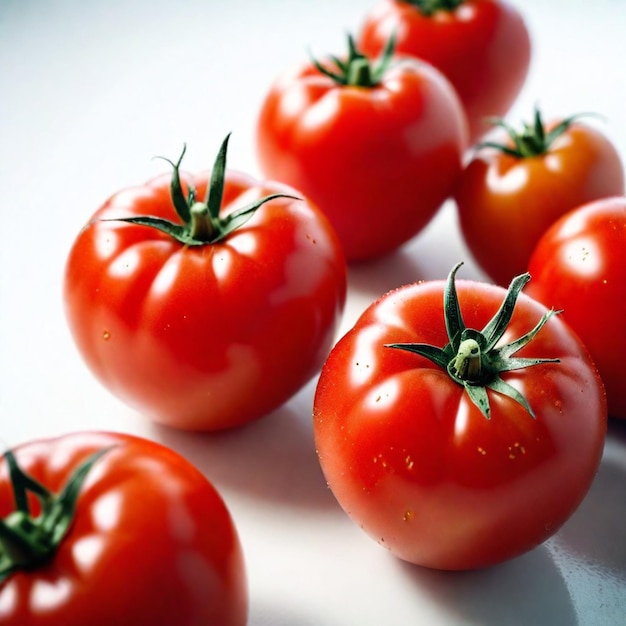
27,541
533,140
471,357
357,70
430,7
202,223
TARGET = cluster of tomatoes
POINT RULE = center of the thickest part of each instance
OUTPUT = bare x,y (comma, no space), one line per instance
208,300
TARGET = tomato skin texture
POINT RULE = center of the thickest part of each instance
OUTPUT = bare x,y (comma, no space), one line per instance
579,265
378,161
152,541
206,337
418,467
505,204
482,47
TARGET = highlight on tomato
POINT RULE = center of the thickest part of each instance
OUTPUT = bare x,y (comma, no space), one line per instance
101,528
376,143
517,185
483,47
579,265
459,424
205,314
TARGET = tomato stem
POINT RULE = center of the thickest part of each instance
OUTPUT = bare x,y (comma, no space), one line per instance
201,222
357,70
429,7
201,226
26,540
533,140
473,358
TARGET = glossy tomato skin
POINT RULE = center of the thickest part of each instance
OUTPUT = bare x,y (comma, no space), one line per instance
205,337
483,47
378,161
419,468
152,541
579,265
505,204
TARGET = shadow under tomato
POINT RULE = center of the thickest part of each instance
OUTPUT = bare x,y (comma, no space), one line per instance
376,277
595,533
407,265
523,591
272,459
265,614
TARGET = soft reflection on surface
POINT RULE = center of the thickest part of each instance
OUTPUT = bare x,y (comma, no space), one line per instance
8,599
125,264
106,243
166,277
460,423
553,162
364,355
48,595
244,242
324,109
106,511
383,395
86,552
513,180
583,256
292,103
574,224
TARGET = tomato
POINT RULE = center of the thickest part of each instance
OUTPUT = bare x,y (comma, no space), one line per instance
377,145
443,444
208,332
482,46
510,193
139,538
579,265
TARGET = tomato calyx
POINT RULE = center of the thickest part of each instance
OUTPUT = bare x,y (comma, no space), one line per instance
533,140
430,7
27,541
202,223
357,70
472,358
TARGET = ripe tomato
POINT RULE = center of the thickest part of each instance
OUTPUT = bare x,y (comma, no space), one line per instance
475,457
140,538
211,332
509,194
377,146
579,265
481,46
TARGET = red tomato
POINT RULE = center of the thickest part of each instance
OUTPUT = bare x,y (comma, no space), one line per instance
150,540
579,265
481,46
471,460
208,335
378,155
510,194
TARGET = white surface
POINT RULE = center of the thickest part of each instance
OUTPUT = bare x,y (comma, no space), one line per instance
89,92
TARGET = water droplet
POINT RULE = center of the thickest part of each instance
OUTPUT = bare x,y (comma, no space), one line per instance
408,516
481,451
106,335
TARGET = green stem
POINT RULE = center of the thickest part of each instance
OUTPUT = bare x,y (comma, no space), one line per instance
201,226
26,541
357,70
532,140
473,357
430,7
201,222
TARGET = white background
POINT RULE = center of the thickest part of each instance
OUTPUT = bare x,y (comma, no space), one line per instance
89,92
